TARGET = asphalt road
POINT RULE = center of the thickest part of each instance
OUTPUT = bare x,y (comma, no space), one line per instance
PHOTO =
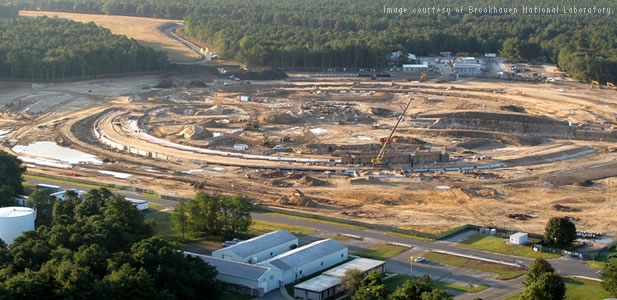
498,288
171,33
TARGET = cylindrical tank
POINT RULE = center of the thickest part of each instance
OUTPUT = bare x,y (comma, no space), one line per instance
14,220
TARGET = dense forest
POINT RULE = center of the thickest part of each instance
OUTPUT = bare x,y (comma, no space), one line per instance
54,49
358,34
98,248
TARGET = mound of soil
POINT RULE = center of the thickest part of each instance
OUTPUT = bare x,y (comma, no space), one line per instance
382,112
193,132
215,110
520,217
297,201
559,207
164,84
310,181
197,84
279,118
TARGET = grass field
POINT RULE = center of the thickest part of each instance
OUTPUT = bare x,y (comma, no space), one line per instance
499,245
316,220
144,30
436,230
579,289
410,236
505,272
398,280
161,223
382,251
92,186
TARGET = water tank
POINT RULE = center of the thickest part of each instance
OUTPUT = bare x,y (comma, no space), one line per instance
14,220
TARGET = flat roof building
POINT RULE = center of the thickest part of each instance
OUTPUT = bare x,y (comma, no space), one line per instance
365,265
319,288
467,69
415,68
259,248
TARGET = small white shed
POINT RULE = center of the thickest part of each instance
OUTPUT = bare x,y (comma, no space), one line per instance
519,238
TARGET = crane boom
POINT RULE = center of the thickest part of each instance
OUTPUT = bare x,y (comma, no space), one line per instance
379,156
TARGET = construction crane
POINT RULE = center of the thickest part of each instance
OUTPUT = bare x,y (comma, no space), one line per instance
611,86
595,83
378,158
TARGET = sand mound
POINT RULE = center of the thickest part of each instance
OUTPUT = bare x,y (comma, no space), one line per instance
310,181
382,112
193,132
279,118
214,110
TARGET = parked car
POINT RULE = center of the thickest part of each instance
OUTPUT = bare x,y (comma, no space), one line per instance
419,259
278,147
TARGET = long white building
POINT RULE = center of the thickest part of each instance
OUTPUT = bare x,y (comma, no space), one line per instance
308,259
243,278
259,248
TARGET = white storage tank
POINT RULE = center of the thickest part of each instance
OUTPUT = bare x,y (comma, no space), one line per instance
14,220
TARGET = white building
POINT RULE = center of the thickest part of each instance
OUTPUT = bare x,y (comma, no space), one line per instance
415,68
519,238
365,265
243,278
327,284
467,69
139,204
468,60
319,288
14,220
307,260
81,195
259,248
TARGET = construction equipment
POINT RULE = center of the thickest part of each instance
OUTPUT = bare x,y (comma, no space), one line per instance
379,157
611,86
423,76
595,83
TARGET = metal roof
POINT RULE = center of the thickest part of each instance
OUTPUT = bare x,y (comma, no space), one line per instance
415,66
233,268
319,283
305,254
466,66
15,211
362,264
261,243
519,234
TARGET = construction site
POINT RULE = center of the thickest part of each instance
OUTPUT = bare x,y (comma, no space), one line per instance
388,151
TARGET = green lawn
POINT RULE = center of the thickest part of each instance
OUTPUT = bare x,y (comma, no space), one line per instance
382,251
579,289
161,223
394,282
505,272
260,227
338,237
316,220
500,245
410,236
92,186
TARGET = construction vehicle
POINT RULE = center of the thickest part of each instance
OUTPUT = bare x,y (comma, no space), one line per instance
611,86
379,157
423,76
595,83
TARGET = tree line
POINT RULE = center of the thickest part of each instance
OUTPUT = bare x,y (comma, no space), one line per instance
336,34
11,185
98,248
207,215
44,48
